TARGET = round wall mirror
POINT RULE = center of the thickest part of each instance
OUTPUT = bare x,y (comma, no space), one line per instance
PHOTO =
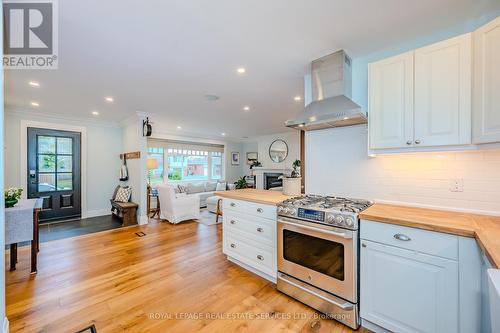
278,151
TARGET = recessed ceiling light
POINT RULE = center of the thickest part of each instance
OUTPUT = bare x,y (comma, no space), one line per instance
95,113
34,84
109,99
241,70
35,104
246,108
297,98
301,125
346,118
223,134
179,127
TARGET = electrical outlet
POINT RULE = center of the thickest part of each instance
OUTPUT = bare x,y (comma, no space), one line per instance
457,185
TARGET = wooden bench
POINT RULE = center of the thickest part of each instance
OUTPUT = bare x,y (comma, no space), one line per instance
126,211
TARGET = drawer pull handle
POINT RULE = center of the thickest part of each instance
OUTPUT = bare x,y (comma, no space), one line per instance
402,237
259,210
232,222
232,204
260,230
260,257
233,245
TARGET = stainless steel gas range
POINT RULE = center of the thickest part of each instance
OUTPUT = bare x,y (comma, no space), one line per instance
318,253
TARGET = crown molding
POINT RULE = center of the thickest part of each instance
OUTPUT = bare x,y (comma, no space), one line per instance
47,116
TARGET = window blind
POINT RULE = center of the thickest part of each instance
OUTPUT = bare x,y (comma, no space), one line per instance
184,145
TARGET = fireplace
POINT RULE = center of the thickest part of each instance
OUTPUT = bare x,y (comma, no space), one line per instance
271,180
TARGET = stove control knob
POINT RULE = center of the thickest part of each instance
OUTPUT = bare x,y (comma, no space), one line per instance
349,222
330,219
292,211
280,209
339,219
286,210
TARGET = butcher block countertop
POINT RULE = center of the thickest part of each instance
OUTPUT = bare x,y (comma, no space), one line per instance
486,229
267,197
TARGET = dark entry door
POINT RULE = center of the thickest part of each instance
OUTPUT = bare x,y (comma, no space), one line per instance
54,172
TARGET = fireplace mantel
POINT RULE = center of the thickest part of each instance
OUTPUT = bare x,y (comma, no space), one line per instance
259,175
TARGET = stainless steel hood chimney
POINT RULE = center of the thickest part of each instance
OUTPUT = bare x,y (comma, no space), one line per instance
331,86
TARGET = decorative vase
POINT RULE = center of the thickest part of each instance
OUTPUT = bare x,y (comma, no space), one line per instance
292,186
10,203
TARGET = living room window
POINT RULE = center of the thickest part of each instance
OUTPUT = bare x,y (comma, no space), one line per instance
184,161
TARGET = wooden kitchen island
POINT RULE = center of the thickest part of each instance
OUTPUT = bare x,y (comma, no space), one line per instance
249,229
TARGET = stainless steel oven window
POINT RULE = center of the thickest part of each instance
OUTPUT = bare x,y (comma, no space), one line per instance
321,255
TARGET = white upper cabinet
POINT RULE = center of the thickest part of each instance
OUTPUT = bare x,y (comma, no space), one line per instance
443,93
486,91
422,98
391,102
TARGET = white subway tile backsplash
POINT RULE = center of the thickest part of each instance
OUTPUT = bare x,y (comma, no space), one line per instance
337,164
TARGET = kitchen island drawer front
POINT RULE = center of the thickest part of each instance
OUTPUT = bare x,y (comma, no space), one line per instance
424,241
260,257
252,208
258,229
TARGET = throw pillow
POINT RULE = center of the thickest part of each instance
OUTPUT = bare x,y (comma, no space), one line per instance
210,186
221,186
123,194
195,188
182,188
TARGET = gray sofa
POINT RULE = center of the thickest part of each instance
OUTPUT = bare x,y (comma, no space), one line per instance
205,189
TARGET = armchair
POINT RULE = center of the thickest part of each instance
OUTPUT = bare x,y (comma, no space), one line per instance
177,207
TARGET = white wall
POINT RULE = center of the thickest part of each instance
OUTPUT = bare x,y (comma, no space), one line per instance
233,172
292,139
337,164
103,149
249,147
137,173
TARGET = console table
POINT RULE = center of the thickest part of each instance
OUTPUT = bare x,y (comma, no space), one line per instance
21,225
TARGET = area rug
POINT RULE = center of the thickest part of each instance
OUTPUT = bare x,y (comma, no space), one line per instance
207,218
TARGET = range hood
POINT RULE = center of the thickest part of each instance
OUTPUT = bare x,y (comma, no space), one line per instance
329,88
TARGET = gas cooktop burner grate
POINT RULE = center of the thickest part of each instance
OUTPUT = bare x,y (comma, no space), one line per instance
333,203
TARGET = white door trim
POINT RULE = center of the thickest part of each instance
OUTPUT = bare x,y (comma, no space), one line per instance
83,155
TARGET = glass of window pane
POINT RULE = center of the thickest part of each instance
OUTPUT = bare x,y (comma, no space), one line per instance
64,164
196,167
64,181
46,163
65,146
216,167
46,182
46,145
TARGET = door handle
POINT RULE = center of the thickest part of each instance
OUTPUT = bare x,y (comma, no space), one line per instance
259,210
232,204
329,232
260,229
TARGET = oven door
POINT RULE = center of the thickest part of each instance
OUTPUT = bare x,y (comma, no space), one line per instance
323,256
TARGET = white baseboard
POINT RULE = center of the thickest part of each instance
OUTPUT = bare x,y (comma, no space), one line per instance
5,328
97,212
143,219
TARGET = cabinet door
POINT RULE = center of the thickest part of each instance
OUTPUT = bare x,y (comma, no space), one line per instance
486,98
443,93
405,291
391,102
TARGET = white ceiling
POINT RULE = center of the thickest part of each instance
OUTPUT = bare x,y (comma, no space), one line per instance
162,57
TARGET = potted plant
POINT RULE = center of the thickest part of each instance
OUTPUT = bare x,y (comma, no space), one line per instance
292,185
241,183
12,196
255,164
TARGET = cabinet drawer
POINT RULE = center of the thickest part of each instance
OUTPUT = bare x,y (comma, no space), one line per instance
429,242
259,229
252,208
245,250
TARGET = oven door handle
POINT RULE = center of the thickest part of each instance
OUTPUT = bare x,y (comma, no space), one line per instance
346,306
338,234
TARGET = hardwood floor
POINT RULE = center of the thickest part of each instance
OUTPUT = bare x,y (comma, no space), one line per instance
174,279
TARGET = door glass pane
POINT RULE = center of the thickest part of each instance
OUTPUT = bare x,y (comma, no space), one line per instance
46,182
65,146
64,181
46,163
46,144
64,163
318,254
